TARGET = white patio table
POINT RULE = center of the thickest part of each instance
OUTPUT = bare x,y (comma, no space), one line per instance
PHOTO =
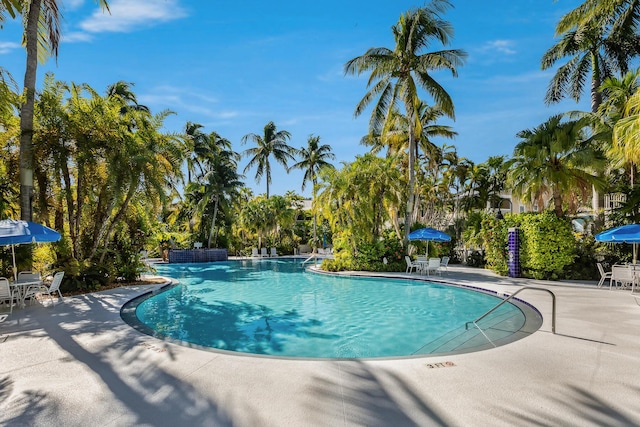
23,288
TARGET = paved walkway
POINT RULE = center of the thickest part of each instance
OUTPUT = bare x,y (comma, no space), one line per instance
78,364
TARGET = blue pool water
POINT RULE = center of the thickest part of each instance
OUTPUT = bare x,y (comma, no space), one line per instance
275,307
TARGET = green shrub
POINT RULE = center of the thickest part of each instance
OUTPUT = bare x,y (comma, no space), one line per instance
495,241
367,256
549,246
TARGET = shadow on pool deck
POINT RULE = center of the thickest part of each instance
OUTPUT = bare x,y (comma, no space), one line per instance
78,363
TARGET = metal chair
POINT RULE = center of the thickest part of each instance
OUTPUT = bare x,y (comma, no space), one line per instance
7,294
604,275
410,264
621,275
53,287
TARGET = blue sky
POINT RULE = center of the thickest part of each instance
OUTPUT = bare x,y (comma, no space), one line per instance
234,66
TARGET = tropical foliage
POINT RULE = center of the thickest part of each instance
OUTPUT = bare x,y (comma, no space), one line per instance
398,73
108,176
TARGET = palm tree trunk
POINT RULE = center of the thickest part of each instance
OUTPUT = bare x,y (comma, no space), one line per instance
596,100
102,230
213,221
116,219
268,176
71,212
315,226
26,112
557,203
79,208
409,210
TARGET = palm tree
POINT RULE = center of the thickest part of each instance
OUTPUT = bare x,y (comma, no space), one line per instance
220,183
41,38
196,146
598,37
271,143
313,157
589,49
361,198
621,17
554,159
123,92
626,134
396,75
145,162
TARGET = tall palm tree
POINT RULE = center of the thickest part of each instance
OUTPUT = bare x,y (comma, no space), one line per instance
41,38
554,159
598,37
220,183
271,143
396,75
590,50
313,157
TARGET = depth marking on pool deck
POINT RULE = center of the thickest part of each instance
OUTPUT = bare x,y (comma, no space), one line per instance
439,365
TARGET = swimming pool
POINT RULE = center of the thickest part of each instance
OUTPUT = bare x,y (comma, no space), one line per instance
276,308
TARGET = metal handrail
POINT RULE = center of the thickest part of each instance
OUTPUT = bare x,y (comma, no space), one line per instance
313,256
553,309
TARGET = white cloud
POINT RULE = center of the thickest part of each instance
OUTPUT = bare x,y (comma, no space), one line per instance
127,15
177,99
501,46
73,4
6,47
76,36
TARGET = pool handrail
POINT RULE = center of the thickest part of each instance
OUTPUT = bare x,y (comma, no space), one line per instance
553,307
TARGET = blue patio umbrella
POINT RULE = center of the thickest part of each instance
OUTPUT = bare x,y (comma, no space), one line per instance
16,232
429,234
629,233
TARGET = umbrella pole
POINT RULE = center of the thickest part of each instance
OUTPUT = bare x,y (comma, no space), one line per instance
15,270
635,253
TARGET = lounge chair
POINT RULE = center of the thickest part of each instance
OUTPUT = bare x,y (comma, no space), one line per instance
263,252
410,264
254,252
621,275
197,245
7,295
603,275
444,263
273,252
53,287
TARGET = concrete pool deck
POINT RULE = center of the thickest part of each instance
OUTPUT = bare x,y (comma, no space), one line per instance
77,363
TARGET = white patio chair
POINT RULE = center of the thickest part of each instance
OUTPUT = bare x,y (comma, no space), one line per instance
444,263
197,245
31,291
254,252
434,266
410,264
7,295
423,263
273,252
604,275
621,275
263,252
28,276
53,287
